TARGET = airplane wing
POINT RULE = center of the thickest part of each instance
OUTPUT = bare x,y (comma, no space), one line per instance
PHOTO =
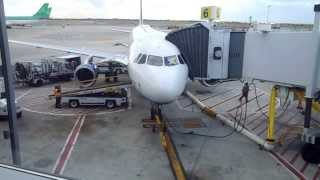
121,29
129,29
83,51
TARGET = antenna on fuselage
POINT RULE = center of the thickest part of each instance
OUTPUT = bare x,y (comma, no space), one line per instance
141,18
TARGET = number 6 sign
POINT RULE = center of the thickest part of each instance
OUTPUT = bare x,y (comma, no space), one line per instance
210,13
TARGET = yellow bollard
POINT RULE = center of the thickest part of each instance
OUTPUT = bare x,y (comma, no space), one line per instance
272,115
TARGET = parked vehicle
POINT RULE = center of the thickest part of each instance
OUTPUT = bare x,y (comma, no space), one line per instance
4,110
110,99
3,102
52,69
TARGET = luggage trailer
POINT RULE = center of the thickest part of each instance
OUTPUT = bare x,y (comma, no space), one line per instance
110,96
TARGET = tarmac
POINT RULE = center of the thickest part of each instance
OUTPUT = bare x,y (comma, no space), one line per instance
95,143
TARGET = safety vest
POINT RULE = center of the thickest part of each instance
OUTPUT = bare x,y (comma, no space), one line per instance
57,93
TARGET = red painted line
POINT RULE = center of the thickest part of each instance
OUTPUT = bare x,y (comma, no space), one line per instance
68,147
215,95
224,101
260,133
289,166
256,112
295,157
289,120
304,167
252,114
248,116
277,129
210,97
253,120
242,104
262,107
257,126
287,148
317,175
231,115
259,109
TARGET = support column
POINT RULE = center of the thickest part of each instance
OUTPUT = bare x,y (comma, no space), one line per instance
307,116
9,88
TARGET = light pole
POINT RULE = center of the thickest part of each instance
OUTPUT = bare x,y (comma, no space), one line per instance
268,13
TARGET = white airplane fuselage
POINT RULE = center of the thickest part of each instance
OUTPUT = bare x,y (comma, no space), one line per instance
20,22
160,84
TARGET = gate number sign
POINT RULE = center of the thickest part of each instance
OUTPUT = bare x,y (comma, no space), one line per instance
210,13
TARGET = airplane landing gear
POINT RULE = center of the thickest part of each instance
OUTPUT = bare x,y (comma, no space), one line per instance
166,141
154,112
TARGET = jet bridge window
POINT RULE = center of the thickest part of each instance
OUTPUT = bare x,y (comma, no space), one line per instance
143,59
155,60
171,60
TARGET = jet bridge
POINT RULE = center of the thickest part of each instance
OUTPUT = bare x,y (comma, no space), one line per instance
281,57
193,44
210,53
287,59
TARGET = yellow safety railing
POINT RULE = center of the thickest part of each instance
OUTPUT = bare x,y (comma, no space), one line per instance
300,96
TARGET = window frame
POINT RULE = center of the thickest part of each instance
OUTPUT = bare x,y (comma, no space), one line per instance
177,60
145,61
181,60
138,58
162,60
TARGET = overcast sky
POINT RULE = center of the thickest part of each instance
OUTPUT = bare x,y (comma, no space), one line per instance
293,11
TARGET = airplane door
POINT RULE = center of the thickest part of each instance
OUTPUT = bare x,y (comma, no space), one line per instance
218,54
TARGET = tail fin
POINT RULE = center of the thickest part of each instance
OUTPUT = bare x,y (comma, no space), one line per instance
44,12
141,17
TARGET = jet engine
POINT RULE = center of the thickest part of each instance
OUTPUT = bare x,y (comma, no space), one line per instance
86,74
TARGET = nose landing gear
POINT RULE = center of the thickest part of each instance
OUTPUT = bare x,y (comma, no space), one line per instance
156,115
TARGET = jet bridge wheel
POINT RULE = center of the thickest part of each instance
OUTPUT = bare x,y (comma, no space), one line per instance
73,103
209,83
310,153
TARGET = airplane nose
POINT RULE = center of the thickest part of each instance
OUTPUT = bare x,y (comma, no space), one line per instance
172,86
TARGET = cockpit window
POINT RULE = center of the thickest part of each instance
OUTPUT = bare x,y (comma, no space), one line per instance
181,60
143,59
155,60
137,58
171,60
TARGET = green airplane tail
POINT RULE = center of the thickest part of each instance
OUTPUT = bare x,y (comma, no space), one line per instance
44,12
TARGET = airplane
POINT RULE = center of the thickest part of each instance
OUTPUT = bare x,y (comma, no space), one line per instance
42,14
155,66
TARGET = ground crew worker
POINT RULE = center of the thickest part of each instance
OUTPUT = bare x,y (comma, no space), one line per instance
57,94
245,92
